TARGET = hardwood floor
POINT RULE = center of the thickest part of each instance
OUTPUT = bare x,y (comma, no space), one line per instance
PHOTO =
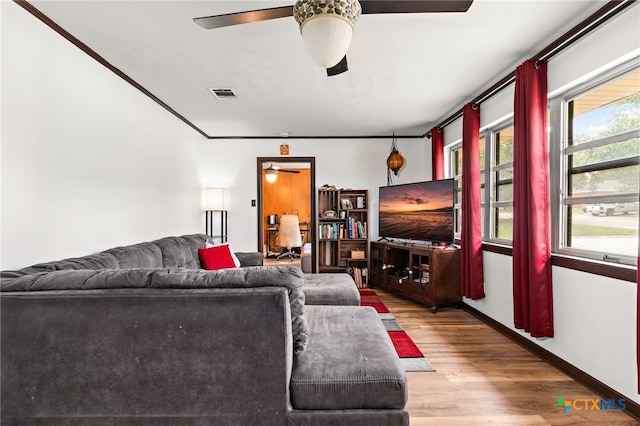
482,377
283,262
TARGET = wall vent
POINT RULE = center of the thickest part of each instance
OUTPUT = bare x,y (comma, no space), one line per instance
223,93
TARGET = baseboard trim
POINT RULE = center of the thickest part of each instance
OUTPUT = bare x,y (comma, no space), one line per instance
604,391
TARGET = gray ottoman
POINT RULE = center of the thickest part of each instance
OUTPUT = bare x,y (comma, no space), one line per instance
353,368
330,289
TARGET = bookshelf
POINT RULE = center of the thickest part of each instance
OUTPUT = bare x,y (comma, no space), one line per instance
343,233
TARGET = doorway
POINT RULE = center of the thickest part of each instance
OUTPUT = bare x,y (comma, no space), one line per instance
292,192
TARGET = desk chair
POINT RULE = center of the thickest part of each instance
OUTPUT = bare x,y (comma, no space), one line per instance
289,235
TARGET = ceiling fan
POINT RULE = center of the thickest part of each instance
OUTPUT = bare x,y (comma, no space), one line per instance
327,25
280,169
271,172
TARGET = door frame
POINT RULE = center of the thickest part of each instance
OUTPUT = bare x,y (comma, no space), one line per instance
312,201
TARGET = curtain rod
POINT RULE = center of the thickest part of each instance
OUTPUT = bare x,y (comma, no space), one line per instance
602,15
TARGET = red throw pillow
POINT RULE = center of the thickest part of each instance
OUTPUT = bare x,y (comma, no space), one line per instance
216,257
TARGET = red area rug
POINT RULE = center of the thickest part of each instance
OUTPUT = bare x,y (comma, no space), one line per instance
370,298
410,355
404,345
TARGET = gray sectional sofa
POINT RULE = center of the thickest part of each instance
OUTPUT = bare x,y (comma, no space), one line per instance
140,335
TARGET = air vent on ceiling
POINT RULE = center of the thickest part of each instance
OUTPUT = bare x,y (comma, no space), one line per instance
223,93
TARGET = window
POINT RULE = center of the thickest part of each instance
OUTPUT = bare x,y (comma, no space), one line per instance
483,181
594,171
597,129
501,220
497,183
456,167
499,191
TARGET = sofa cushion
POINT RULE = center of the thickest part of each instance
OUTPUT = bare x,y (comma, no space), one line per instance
278,276
216,257
330,289
85,279
142,255
250,258
179,252
179,278
92,261
196,242
145,357
21,272
349,363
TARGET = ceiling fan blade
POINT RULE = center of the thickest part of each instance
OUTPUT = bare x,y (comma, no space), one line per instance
414,6
278,169
338,68
226,20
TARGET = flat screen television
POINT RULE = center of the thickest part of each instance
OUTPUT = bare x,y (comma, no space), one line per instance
417,211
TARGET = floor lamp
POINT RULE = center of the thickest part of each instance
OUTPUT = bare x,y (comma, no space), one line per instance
216,202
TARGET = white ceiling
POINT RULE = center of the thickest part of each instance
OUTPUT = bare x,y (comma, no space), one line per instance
406,72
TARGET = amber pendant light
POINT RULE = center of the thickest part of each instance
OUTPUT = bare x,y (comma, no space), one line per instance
395,161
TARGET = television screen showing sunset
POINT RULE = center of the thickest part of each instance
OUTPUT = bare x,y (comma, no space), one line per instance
417,211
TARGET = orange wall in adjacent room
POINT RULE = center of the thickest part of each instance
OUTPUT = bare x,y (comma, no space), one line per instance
288,194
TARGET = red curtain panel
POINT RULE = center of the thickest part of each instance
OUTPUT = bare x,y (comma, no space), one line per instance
437,153
532,290
471,273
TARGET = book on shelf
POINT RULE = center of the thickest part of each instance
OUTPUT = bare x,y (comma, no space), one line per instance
329,231
359,275
333,230
356,228
362,230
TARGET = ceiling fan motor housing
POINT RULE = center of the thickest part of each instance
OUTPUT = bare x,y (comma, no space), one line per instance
306,9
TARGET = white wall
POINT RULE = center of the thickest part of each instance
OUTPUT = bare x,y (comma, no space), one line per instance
353,163
88,162
594,316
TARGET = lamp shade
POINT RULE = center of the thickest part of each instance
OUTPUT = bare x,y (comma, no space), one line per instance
215,199
327,28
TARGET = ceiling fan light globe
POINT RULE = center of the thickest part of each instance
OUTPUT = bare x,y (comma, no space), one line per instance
327,28
327,38
271,175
